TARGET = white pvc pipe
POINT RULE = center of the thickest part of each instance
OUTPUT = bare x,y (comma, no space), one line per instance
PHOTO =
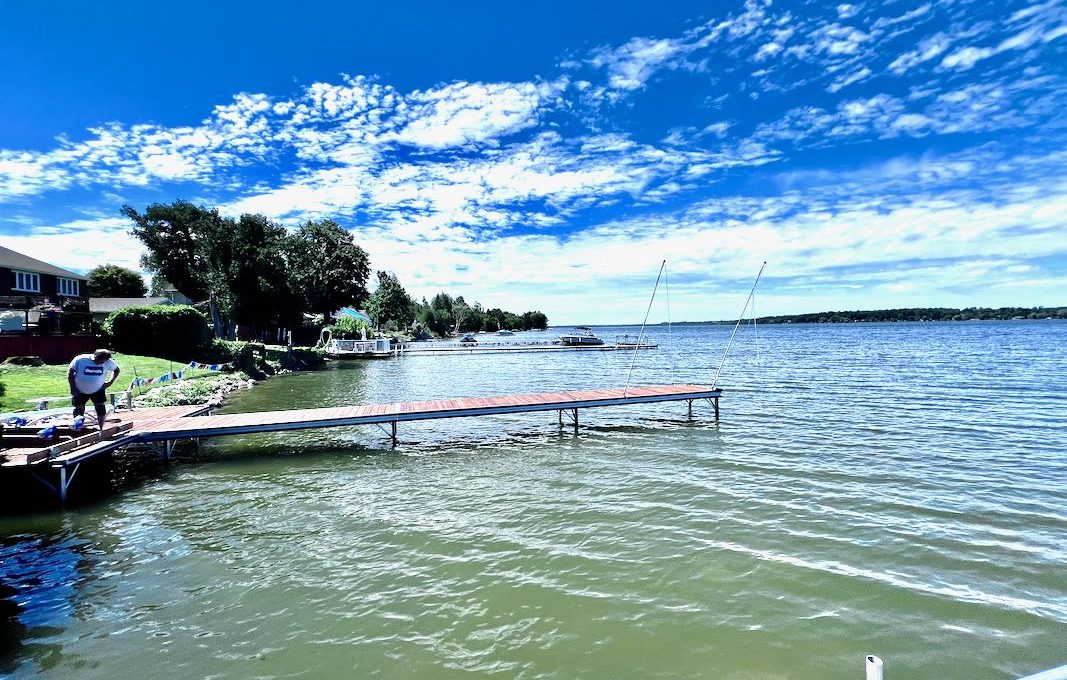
1051,674
874,667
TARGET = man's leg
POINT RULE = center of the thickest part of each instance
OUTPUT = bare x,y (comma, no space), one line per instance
101,408
79,400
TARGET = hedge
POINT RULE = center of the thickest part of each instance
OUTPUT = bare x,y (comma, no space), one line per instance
177,332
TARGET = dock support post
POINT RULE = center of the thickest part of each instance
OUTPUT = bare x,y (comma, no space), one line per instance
168,448
575,421
560,412
690,402
715,403
394,434
63,485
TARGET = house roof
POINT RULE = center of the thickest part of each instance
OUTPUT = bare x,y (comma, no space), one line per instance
108,305
13,260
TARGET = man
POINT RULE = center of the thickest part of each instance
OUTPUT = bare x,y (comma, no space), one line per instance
86,375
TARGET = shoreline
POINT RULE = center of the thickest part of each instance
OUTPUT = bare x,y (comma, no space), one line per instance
208,390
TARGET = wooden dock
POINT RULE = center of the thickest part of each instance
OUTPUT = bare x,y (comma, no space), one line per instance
161,428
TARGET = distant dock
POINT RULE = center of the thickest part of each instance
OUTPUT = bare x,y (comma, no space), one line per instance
55,465
416,348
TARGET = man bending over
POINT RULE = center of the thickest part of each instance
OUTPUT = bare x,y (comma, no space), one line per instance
86,376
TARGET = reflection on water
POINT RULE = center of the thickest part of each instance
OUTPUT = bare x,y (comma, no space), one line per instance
896,489
38,582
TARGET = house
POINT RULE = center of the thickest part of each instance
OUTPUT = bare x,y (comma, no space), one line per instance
26,282
38,301
101,307
175,295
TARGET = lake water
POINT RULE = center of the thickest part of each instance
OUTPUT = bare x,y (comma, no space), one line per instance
896,489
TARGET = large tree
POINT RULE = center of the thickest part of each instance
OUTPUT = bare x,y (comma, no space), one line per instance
178,237
327,267
111,280
248,271
390,302
240,265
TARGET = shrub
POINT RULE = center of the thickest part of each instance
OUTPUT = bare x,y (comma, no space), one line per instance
175,332
250,357
348,327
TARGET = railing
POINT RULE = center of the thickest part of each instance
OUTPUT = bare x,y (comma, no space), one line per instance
377,345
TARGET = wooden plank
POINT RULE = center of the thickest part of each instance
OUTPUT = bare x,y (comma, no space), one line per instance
325,417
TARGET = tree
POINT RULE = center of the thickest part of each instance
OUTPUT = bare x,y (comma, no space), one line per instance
248,270
239,265
327,267
111,280
178,237
390,302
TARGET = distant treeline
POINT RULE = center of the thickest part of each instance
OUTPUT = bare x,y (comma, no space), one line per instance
918,314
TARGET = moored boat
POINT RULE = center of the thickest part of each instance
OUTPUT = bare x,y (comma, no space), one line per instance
582,335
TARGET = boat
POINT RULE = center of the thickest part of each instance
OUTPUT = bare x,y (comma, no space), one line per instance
628,341
583,335
504,331
468,339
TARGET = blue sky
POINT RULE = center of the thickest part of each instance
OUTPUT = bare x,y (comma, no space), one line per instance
549,156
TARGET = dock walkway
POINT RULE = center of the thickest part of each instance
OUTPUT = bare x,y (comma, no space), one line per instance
152,426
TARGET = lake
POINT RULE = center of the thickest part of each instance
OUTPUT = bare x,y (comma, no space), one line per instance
890,489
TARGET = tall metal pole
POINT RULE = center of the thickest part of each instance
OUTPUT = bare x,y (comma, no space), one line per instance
738,324
641,334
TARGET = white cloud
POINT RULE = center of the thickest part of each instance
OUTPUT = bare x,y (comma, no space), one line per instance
464,113
929,48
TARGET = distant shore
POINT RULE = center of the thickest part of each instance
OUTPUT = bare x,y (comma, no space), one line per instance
908,314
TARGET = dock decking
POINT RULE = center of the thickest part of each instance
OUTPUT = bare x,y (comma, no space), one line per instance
171,424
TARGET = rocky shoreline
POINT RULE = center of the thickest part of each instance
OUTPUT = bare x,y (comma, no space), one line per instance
209,390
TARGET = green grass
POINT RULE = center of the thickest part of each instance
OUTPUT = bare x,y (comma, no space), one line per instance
30,382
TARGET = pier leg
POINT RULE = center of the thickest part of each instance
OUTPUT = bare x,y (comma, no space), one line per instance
575,421
715,403
560,412
394,434
690,402
168,448
63,485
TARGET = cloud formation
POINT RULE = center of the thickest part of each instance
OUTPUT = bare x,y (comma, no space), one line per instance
737,139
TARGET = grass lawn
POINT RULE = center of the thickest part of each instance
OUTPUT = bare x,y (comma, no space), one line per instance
30,382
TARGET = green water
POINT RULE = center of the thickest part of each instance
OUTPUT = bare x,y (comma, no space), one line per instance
897,490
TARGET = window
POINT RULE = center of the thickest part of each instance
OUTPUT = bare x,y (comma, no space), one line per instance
68,287
28,282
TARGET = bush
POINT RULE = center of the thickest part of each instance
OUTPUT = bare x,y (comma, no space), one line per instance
250,357
176,332
349,328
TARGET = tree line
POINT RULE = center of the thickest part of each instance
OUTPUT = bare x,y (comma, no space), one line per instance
256,273
920,314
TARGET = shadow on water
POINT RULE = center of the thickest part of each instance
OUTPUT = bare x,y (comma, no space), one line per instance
40,576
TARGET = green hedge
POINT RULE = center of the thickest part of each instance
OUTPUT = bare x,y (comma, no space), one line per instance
176,332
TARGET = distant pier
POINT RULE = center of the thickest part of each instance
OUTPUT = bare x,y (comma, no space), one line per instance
417,348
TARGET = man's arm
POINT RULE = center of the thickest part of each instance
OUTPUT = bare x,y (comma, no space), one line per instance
70,379
114,377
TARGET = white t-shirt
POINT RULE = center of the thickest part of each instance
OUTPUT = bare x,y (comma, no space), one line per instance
89,376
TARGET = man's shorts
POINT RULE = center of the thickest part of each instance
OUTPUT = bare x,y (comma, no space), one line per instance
80,398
